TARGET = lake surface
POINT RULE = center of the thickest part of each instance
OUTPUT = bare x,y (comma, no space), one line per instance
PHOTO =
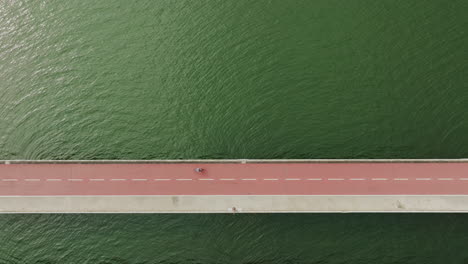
233,79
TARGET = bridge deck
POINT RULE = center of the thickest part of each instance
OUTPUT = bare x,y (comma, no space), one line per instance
263,186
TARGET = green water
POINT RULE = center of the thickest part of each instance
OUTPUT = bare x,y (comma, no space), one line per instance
247,239
233,79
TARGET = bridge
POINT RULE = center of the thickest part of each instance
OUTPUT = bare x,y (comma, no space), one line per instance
233,186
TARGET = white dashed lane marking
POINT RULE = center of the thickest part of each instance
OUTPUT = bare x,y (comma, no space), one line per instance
234,179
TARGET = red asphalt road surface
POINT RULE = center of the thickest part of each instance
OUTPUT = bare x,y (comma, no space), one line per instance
235,179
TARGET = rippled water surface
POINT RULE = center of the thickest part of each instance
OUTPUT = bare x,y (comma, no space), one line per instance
125,79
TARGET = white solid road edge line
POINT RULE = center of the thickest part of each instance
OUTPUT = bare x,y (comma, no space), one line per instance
236,161
248,195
